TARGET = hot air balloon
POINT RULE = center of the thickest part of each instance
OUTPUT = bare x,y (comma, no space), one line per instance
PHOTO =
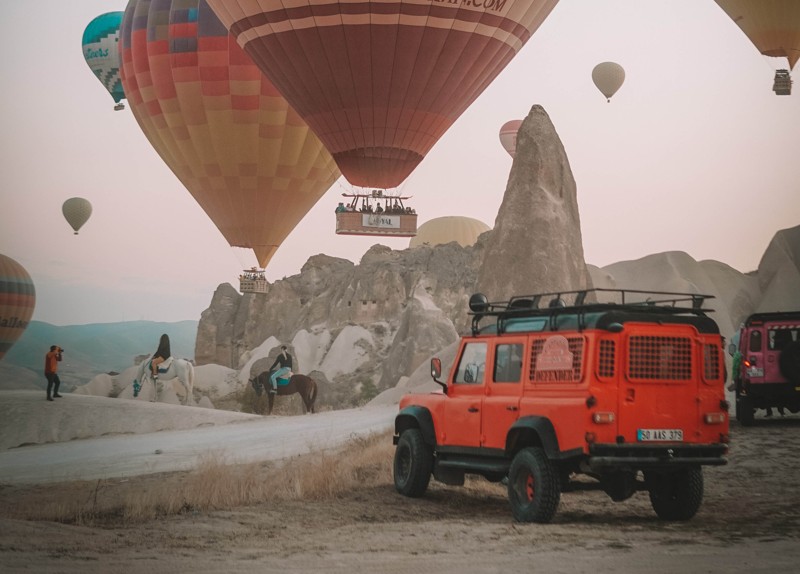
608,77
380,82
76,211
101,51
508,136
463,230
17,300
245,156
773,26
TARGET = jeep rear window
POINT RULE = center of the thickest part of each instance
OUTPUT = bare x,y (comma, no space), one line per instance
472,364
653,357
755,341
508,363
781,337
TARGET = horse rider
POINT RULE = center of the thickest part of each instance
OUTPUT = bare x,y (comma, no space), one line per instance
162,354
284,361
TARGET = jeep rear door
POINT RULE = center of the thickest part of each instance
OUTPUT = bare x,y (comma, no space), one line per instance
658,389
501,404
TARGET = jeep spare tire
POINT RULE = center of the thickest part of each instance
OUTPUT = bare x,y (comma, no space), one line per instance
789,362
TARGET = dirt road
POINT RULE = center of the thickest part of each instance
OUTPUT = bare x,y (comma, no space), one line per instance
749,522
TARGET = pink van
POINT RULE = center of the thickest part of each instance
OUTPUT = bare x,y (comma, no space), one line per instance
768,373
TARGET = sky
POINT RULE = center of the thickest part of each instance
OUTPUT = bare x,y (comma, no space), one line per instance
695,153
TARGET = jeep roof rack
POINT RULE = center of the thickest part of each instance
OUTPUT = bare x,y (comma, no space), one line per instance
583,301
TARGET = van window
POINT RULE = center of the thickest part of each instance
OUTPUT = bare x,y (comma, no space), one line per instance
755,342
779,339
508,363
472,364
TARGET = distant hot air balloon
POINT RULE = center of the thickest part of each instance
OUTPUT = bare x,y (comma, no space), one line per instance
101,51
463,230
76,211
17,300
773,26
381,82
608,77
508,136
245,156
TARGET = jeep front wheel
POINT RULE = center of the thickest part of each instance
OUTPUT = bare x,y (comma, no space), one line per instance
413,464
676,495
533,486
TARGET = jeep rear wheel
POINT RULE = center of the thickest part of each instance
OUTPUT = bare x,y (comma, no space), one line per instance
413,463
533,486
676,495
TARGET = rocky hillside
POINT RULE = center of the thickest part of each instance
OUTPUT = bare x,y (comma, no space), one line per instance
364,328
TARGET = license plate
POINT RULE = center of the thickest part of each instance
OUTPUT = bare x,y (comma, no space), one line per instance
755,372
649,435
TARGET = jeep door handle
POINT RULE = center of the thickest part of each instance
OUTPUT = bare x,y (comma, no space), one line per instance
511,408
472,410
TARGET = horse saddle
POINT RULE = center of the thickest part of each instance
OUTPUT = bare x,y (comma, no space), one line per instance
164,367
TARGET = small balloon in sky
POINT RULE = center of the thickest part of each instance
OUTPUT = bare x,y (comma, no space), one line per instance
508,136
101,52
77,211
17,300
608,77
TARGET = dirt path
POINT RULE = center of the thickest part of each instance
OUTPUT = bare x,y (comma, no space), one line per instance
749,522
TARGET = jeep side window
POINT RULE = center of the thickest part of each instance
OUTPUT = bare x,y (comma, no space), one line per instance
755,342
472,364
508,363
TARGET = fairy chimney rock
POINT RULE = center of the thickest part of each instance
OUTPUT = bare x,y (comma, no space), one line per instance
536,243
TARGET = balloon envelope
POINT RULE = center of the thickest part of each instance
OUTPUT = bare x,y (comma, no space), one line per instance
608,77
773,26
463,230
381,82
77,211
101,51
17,300
245,156
508,136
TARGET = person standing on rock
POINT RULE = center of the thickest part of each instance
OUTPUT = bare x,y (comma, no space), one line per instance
284,364
51,361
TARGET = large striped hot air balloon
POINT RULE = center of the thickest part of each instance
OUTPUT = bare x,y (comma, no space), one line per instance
17,300
247,158
101,52
381,82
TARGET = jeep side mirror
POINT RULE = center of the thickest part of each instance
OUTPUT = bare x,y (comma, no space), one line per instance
731,349
436,372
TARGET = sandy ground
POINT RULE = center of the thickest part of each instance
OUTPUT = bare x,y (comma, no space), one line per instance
749,522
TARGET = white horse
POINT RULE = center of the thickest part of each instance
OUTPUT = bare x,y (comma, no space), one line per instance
181,369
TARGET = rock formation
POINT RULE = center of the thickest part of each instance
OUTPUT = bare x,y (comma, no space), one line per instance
779,272
535,246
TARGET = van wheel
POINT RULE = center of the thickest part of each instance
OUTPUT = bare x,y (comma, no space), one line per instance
745,413
789,362
413,464
676,495
533,486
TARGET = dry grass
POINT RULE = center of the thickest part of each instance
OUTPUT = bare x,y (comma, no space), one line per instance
214,485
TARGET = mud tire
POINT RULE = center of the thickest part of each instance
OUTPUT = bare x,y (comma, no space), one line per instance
533,486
676,496
789,362
413,464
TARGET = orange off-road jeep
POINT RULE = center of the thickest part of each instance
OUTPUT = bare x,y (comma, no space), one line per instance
621,395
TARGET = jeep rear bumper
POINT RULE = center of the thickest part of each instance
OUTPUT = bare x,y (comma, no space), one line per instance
635,456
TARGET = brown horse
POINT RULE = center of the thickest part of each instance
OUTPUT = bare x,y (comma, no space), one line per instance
303,384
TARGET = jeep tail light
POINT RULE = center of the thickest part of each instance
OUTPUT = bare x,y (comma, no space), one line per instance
714,418
603,418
